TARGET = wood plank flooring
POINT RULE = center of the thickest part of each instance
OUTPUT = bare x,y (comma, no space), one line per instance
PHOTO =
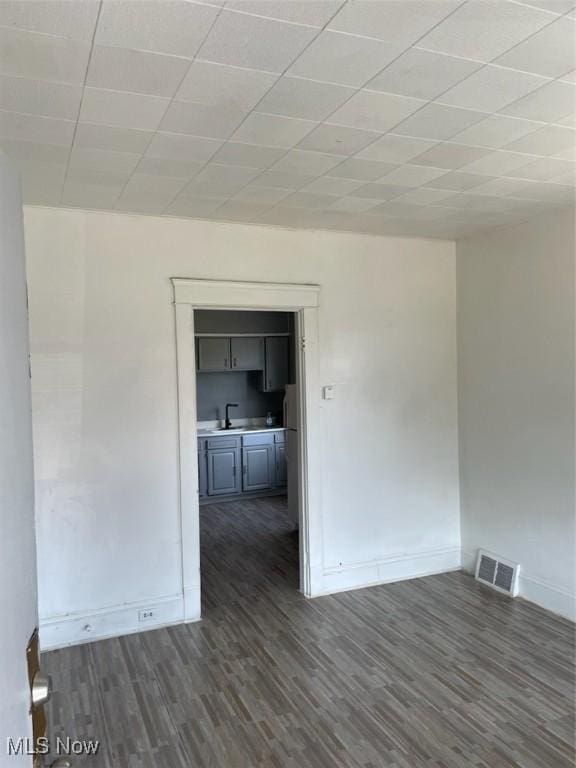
431,673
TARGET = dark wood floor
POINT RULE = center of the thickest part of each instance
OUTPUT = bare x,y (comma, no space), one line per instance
431,673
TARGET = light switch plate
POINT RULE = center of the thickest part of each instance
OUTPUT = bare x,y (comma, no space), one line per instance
328,392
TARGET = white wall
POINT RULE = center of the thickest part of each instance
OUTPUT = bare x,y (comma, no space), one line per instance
105,418
516,403
18,612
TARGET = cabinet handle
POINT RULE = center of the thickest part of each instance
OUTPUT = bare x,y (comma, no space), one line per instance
235,363
225,362
270,384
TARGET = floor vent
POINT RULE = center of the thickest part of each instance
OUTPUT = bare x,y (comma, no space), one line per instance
497,573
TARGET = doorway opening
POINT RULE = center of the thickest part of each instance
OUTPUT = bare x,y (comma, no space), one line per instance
301,302
247,403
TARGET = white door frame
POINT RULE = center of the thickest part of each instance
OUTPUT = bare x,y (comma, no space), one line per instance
190,294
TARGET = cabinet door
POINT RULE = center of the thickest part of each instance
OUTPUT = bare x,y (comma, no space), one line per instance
202,474
247,354
276,363
213,354
257,467
281,468
223,474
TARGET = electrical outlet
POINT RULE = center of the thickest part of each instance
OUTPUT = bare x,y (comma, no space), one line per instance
145,614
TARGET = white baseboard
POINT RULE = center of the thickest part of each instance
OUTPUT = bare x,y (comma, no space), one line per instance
549,596
86,627
396,568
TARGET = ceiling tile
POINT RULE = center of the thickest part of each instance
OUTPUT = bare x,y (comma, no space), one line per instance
32,153
221,85
234,153
296,97
216,122
337,139
40,97
121,109
231,176
363,170
149,194
250,41
273,130
500,187
550,52
81,194
310,163
396,21
329,185
497,163
436,121
557,6
552,101
27,54
116,139
344,59
309,200
193,207
424,196
262,195
93,177
395,149
177,27
456,181
491,89
422,74
495,131
42,183
314,13
353,204
103,160
286,180
449,156
43,130
497,26
412,175
75,21
189,148
545,169
119,69
233,210
166,166
547,141
379,191
375,111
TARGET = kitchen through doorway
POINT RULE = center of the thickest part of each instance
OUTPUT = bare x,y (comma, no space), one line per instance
247,403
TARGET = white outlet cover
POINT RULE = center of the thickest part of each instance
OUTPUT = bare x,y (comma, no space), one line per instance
328,392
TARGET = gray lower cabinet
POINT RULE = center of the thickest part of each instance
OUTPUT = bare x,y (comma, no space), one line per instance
223,471
231,465
247,354
257,467
281,468
275,364
213,354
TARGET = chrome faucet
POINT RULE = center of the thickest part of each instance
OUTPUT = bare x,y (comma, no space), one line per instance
228,423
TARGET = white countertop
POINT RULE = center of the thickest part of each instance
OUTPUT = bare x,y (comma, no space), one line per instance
236,431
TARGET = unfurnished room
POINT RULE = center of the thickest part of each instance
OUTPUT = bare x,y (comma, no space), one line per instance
287,383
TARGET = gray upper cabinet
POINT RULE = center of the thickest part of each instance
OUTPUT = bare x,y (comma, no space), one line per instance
247,354
223,471
213,354
276,363
257,467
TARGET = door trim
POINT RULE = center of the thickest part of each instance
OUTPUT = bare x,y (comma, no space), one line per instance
303,299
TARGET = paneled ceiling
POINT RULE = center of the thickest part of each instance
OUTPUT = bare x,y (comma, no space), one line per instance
433,118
